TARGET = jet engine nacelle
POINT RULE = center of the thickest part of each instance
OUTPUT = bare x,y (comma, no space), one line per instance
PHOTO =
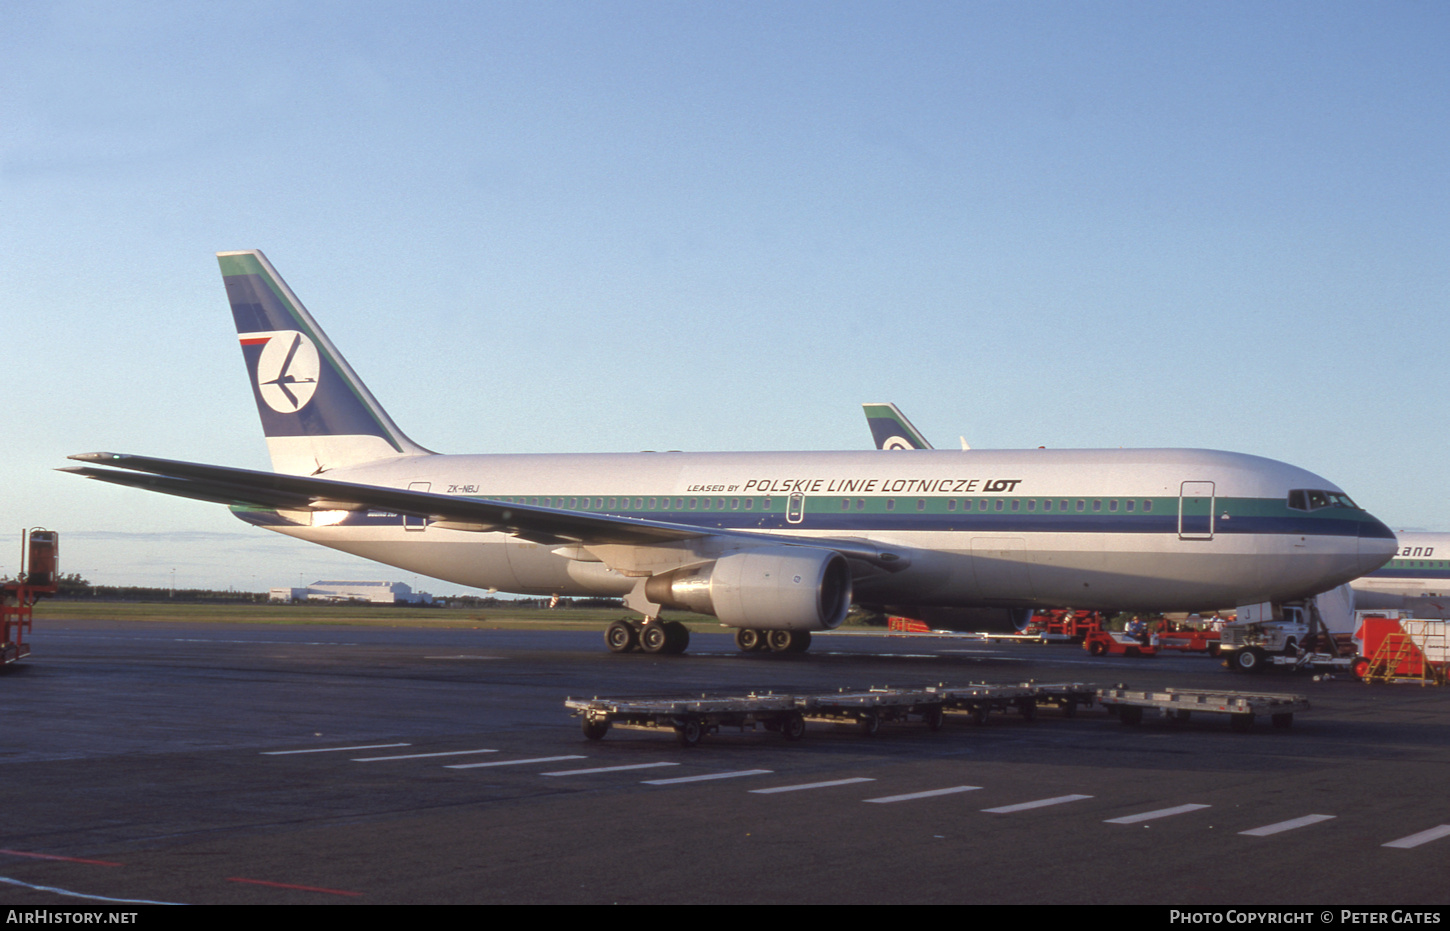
769,588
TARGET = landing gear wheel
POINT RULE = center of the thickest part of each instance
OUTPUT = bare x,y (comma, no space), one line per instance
1360,667
749,640
621,637
793,726
1241,722
653,638
595,730
1131,715
979,715
788,641
1098,648
689,732
1249,660
677,637
869,723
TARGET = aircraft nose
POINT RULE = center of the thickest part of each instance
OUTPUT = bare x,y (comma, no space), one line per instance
1377,545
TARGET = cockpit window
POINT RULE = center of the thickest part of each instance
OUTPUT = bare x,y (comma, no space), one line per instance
1306,499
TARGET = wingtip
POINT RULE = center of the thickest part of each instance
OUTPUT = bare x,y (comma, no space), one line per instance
94,457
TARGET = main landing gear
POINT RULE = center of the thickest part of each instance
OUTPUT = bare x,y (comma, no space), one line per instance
651,636
750,640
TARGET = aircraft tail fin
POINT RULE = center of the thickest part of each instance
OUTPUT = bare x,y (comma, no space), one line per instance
316,413
890,428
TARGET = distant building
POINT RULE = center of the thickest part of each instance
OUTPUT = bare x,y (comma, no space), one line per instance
385,593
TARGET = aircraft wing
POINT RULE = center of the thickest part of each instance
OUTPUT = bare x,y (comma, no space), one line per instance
250,488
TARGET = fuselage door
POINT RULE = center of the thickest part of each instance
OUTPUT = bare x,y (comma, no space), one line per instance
1195,511
795,510
409,521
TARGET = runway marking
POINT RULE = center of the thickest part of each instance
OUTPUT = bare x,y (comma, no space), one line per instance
1424,837
1040,803
50,856
334,749
679,779
812,785
537,759
82,895
607,769
418,756
1150,815
930,793
263,882
1290,825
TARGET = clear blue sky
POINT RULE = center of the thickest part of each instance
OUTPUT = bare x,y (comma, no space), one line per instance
539,227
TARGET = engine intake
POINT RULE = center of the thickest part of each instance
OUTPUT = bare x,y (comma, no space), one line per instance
770,588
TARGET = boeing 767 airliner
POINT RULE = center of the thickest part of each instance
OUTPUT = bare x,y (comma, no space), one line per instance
775,545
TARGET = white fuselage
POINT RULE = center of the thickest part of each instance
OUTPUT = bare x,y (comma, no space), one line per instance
1128,529
1417,578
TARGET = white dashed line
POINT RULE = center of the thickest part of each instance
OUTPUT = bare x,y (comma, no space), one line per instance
1150,815
418,756
1415,840
334,749
1290,825
1040,803
708,776
812,785
607,769
537,759
931,793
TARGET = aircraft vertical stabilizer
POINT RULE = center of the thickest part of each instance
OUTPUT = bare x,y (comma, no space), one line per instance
890,428
316,413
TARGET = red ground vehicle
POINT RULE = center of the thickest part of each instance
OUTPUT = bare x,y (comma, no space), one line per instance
1402,648
1114,643
1062,624
1180,636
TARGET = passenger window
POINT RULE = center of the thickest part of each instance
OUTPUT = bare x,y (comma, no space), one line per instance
921,504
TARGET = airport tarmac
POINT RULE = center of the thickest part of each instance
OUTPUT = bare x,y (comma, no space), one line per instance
348,765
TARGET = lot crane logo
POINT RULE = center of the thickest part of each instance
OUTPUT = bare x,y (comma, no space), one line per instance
897,442
287,370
